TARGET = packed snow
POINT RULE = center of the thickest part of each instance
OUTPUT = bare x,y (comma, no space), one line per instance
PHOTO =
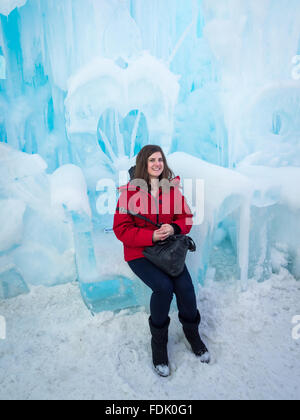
55,349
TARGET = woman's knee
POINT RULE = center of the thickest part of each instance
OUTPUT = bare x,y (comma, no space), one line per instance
164,288
185,288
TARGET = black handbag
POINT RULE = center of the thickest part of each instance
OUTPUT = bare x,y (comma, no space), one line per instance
168,255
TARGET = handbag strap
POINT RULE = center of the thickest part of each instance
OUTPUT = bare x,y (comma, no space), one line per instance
123,210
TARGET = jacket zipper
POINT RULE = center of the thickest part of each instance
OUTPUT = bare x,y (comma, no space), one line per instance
157,206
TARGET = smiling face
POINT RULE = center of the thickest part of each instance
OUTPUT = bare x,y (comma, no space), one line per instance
155,165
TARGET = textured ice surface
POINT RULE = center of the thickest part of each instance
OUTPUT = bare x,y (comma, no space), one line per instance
68,188
11,221
2,67
12,284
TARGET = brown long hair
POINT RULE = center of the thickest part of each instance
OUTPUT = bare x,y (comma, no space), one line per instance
141,169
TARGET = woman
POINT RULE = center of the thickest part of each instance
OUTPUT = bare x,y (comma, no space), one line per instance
161,202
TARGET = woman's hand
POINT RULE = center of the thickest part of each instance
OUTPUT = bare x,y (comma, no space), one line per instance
163,233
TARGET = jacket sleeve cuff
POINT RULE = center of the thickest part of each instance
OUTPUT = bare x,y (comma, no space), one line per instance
177,229
148,235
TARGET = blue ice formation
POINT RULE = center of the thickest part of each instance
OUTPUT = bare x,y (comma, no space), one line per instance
2,66
85,84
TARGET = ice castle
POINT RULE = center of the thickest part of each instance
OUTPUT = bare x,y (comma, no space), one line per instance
85,84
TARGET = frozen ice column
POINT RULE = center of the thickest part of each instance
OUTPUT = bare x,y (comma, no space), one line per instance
68,188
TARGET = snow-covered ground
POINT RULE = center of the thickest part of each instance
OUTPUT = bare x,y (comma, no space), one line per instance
55,349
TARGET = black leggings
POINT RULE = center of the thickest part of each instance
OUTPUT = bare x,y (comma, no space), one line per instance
163,287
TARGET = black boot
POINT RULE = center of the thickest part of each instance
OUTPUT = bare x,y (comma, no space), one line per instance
191,332
159,343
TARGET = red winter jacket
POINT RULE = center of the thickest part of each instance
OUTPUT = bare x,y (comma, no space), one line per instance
167,208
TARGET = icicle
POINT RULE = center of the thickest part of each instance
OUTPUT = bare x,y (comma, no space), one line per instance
134,133
186,32
119,137
243,243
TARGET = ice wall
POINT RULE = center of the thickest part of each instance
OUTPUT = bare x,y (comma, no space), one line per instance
37,241
85,84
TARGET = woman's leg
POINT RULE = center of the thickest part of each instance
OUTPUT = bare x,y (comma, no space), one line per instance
161,285
189,315
185,295
159,320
